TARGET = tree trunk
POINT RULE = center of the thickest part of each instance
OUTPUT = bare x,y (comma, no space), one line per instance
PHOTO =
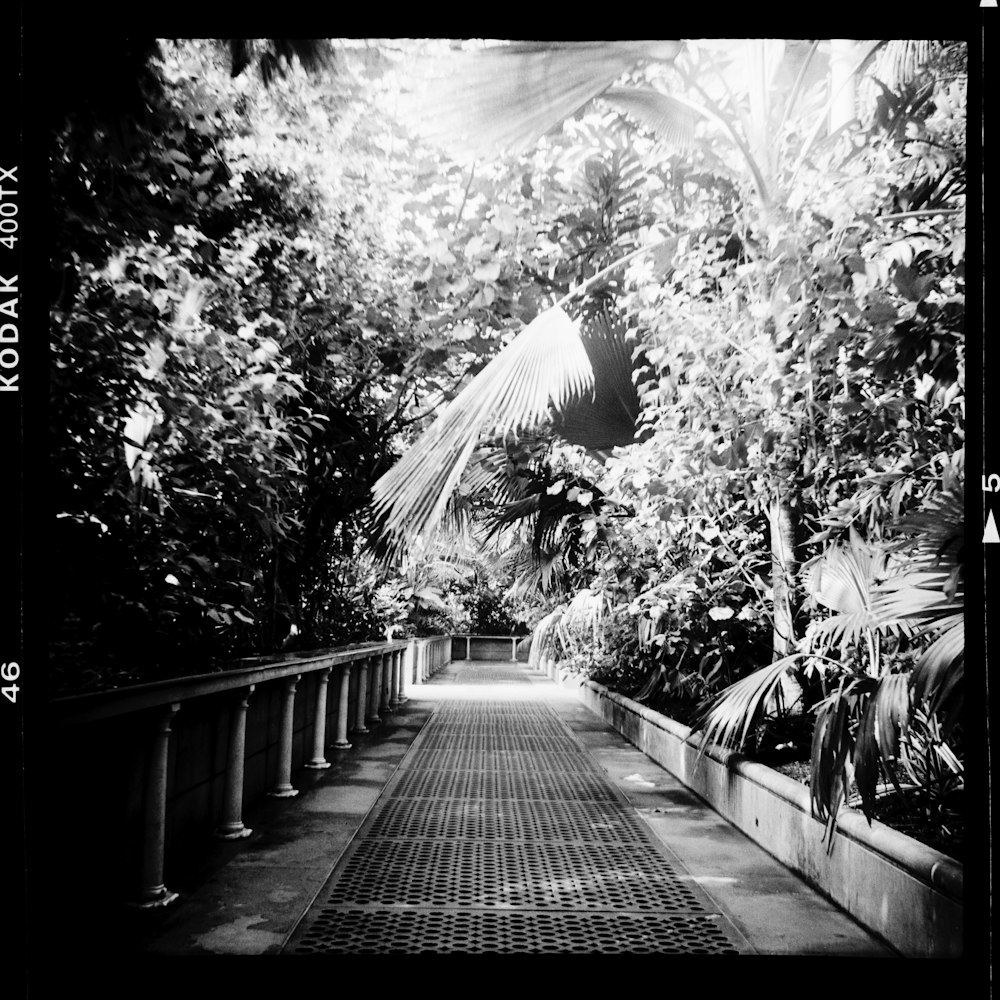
782,518
782,522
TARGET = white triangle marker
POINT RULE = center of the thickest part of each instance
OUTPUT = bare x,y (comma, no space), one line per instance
987,3
991,534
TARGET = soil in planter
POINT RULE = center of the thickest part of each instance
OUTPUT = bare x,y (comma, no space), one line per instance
682,710
890,809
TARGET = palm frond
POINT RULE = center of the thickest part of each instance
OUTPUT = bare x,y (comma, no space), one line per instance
510,513
606,418
934,535
845,580
669,119
931,590
580,625
552,571
832,744
842,579
898,60
545,638
841,630
917,597
877,738
493,473
544,367
938,675
733,713
504,98
932,596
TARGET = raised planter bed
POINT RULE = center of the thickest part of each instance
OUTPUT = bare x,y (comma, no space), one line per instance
907,893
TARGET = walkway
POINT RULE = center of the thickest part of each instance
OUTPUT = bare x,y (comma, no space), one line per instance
496,814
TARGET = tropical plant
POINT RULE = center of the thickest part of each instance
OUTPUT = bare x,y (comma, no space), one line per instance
875,714
233,359
777,143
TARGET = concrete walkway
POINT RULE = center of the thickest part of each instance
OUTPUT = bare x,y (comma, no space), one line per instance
494,813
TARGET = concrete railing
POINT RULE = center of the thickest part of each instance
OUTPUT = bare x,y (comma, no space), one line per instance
426,656
488,647
150,772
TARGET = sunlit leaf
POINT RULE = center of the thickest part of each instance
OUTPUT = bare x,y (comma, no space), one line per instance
503,98
543,368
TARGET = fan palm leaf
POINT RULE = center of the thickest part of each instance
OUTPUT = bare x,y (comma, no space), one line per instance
931,594
577,383
544,638
665,116
917,597
544,367
580,625
935,534
607,417
495,474
503,98
845,581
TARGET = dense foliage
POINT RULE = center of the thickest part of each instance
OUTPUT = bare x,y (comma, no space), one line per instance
231,359
266,285
796,323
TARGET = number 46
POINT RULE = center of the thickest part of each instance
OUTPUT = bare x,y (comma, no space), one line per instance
10,672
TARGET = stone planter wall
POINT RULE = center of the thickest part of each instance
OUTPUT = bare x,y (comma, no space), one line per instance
907,893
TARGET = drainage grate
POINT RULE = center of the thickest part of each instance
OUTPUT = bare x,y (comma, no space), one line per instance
491,675
416,783
487,709
483,873
500,833
504,727
500,760
508,819
415,932
497,742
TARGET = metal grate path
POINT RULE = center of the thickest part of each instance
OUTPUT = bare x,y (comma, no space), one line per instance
499,834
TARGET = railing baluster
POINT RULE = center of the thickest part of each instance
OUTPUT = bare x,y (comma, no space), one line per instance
152,891
374,684
360,705
410,665
283,786
319,760
397,680
386,677
341,742
231,827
